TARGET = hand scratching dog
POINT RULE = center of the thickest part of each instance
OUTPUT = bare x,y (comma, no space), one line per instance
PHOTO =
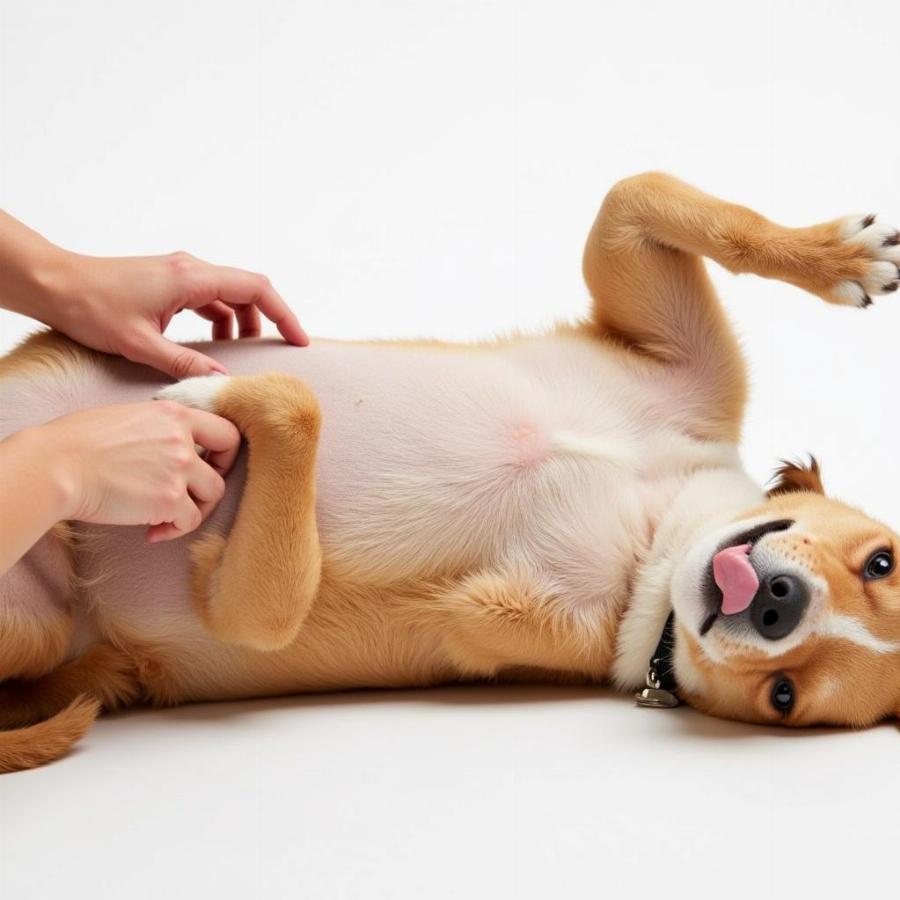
412,514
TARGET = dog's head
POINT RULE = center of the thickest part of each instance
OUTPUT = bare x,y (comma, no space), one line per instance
791,614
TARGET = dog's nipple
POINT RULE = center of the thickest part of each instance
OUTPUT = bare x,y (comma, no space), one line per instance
736,578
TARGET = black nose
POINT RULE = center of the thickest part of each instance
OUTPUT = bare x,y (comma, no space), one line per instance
778,606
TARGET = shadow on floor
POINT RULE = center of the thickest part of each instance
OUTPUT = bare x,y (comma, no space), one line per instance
686,721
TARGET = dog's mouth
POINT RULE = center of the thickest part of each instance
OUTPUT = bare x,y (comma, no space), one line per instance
716,598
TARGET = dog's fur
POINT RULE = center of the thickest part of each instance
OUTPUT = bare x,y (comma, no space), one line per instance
533,507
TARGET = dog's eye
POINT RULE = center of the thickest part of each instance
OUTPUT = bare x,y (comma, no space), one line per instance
878,565
783,695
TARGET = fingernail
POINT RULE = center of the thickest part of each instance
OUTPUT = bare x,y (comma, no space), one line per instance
217,369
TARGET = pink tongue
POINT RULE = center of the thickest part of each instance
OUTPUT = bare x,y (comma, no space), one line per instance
736,579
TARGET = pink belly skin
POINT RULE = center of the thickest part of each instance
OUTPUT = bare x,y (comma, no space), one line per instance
429,457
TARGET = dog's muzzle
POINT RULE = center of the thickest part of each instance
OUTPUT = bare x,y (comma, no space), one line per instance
773,605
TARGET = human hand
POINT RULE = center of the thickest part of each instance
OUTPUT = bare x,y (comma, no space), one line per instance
136,464
122,305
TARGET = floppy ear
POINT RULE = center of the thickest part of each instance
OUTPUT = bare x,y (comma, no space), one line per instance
790,477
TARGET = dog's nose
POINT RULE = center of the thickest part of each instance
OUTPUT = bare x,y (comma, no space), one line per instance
778,606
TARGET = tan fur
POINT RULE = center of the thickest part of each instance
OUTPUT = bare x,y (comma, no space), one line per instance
34,641
27,748
68,700
46,350
33,645
497,621
257,588
864,686
102,672
266,592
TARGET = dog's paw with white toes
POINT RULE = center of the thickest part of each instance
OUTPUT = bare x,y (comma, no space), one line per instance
881,272
199,393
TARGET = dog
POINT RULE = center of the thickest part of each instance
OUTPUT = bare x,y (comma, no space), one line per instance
567,506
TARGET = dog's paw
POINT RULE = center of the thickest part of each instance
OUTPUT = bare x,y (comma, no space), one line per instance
876,263
199,393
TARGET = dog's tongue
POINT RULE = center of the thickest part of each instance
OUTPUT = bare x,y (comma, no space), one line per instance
735,577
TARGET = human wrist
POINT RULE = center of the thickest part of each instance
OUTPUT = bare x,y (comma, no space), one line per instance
58,294
55,468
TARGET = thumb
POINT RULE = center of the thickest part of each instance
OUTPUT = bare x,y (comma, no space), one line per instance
173,359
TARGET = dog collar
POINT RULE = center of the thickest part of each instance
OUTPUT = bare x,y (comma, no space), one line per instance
660,692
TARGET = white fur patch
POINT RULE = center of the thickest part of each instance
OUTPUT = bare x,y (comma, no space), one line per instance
883,273
850,629
618,452
199,393
688,674
697,515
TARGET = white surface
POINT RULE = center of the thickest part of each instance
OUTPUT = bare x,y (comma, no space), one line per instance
410,169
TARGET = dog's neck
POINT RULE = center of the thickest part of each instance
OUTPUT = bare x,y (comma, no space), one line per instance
708,499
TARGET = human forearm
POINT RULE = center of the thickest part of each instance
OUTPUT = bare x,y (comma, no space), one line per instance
34,495
33,272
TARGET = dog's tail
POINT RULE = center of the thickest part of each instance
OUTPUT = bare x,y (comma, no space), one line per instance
35,745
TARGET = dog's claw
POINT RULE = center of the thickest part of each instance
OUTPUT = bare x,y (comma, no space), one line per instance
876,248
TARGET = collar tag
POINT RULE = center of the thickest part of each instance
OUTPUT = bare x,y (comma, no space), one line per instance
655,696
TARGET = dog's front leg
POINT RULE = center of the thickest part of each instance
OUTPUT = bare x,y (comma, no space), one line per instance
255,587
497,622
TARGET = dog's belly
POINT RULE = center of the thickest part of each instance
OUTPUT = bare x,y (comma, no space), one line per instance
547,454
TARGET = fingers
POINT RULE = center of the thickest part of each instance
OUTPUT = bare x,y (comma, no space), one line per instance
219,436
187,517
164,532
204,488
153,349
249,324
238,288
212,431
273,307
183,519
222,317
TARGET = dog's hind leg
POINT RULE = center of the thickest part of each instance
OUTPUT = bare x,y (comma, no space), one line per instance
643,267
35,617
255,587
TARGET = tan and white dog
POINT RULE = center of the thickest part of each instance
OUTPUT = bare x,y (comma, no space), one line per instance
414,514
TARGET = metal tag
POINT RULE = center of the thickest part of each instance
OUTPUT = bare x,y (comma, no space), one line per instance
656,698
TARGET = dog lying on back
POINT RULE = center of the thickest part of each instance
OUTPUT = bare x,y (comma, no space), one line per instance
567,506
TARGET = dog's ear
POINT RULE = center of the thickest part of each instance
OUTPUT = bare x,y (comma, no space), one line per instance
790,477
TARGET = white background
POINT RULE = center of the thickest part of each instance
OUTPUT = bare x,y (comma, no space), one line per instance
408,169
